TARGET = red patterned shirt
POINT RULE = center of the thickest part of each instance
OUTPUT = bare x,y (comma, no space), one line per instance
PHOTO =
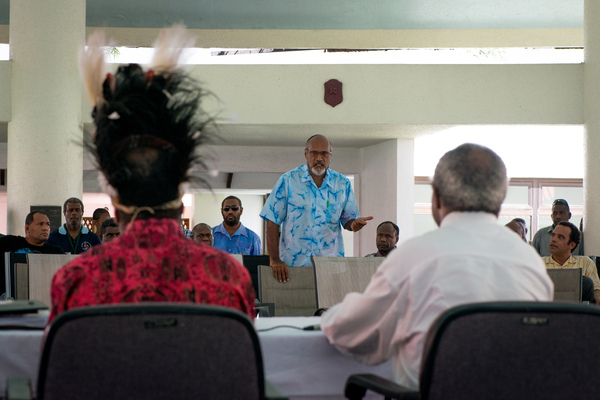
152,261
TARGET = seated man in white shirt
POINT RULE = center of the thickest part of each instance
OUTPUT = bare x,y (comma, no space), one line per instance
470,258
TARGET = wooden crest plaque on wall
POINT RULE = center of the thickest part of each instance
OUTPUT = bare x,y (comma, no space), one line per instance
333,92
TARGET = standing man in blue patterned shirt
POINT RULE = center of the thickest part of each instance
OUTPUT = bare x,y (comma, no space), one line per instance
231,236
311,203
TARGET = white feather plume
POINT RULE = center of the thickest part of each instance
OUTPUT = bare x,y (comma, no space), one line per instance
169,46
107,187
93,67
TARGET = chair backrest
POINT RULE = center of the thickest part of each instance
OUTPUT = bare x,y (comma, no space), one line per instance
151,351
337,276
251,263
295,297
32,280
567,283
238,257
512,350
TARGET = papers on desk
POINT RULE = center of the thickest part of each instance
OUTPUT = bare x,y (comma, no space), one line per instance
23,314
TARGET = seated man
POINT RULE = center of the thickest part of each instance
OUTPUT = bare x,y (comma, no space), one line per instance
231,236
565,237
109,230
386,239
541,239
37,229
470,258
518,225
146,146
202,233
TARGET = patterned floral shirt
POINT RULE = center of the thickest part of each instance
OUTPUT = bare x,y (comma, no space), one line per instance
152,261
311,218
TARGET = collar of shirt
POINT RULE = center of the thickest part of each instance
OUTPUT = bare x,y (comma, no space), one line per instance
240,231
63,230
151,232
460,217
570,260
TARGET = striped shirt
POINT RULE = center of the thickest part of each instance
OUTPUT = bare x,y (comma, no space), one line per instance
585,263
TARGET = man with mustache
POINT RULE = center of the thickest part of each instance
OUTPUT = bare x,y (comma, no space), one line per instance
565,237
310,203
37,230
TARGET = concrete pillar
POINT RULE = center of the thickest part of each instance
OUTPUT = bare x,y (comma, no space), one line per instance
591,117
45,154
386,189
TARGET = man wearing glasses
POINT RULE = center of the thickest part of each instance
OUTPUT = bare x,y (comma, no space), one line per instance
560,213
231,236
311,203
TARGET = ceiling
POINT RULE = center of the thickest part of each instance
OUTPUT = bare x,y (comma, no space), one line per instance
359,15
331,14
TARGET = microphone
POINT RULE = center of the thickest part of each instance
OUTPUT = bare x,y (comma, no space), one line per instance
312,328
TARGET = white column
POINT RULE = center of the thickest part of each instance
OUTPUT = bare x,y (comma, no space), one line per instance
591,91
386,189
45,155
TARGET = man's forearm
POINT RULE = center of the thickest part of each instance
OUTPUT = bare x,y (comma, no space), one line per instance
273,240
348,225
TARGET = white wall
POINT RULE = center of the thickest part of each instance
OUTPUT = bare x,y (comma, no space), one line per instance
386,189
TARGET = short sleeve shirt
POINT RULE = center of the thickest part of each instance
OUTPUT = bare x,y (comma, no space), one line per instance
243,241
311,217
588,268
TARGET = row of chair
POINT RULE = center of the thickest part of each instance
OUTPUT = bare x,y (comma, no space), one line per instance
320,286
309,288
331,278
156,351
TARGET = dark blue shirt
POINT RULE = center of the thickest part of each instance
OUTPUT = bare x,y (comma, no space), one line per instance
83,242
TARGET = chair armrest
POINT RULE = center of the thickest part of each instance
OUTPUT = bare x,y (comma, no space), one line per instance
357,385
271,392
18,389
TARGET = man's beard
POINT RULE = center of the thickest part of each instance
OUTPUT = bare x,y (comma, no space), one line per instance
232,222
317,172
74,225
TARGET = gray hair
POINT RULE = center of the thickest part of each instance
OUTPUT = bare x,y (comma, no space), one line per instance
471,178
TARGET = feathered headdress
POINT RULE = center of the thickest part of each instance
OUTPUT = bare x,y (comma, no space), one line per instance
148,123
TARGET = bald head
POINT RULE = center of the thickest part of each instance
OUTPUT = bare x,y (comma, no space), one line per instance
202,233
320,138
517,227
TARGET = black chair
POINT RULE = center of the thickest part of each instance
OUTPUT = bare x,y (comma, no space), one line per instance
503,350
252,263
151,351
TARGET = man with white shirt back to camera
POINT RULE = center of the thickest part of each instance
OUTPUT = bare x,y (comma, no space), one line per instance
470,258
